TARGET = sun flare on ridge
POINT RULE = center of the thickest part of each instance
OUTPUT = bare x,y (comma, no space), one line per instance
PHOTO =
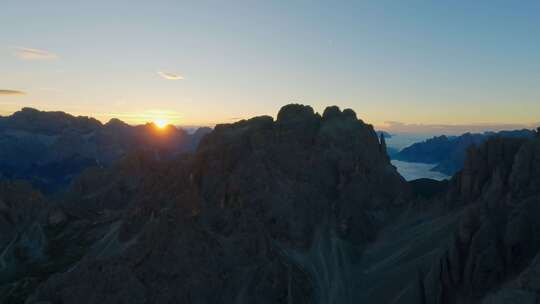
161,123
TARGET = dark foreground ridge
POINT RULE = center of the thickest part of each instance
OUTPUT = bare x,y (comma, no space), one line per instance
303,209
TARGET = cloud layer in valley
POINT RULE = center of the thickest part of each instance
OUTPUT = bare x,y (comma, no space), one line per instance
24,53
170,76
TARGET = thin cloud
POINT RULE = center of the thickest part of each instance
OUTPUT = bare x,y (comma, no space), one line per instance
170,76
24,53
11,92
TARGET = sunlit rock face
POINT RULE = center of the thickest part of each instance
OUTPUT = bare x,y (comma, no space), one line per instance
265,212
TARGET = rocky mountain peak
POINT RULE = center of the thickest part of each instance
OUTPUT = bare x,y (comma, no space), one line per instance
295,112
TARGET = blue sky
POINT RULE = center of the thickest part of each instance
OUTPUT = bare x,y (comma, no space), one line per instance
206,62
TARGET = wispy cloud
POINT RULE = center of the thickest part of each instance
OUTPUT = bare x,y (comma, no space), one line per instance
11,92
24,53
170,76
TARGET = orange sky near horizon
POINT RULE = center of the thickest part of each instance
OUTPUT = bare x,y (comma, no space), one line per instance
162,117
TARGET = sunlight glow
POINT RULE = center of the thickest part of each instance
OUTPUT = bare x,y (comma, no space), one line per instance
161,123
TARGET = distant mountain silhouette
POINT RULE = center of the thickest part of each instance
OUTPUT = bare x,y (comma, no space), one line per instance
448,152
306,208
50,148
196,137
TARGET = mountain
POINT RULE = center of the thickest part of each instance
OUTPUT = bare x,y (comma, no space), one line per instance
259,199
50,148
196,137
306,208
494,250
473,239
448,152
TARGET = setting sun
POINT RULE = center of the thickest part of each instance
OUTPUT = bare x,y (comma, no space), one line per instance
161,123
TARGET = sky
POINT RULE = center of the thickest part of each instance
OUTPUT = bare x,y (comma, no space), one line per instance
401,65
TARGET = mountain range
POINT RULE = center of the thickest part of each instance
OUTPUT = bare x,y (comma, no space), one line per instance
50,148
448,153
304,208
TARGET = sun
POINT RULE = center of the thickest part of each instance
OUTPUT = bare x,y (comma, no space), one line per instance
161,123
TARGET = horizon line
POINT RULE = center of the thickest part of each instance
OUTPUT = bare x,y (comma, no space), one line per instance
388,126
